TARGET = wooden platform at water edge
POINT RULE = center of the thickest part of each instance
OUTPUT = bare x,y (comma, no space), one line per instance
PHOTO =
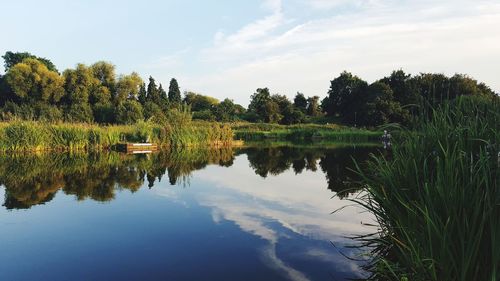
137,148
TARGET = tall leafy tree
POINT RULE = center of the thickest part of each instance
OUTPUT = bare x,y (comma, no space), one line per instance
380,107
129,112
263,107
199,102
163,102
403,86
128,87
174,93
32,82
141,97
153,94
11,59
225,111
78,84
313,107
105,73
345,96
300,102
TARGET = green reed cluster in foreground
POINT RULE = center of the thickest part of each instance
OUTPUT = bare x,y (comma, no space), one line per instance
302,132
33,136
437,199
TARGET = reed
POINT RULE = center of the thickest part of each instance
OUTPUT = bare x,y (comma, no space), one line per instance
302,132
437,199
38,136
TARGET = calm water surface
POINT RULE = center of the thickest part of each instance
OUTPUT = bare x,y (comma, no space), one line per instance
247,214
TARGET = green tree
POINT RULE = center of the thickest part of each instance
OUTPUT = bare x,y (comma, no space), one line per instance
33,82
128,87
142,96
78,83
345,97
313,107
403,87
292,115
104,89
153,94
199,102
263,107
380,107
174,93
105,73
104,113
164,102
300,102
154,112
225,111
12,59
129,112
81,112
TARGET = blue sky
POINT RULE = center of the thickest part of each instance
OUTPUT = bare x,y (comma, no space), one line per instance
229,48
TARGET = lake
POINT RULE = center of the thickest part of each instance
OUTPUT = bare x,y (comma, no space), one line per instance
255,213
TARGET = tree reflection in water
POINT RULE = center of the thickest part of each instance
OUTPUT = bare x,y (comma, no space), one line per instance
32,179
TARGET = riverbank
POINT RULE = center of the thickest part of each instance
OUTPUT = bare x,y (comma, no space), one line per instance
302,132
437,198
39,136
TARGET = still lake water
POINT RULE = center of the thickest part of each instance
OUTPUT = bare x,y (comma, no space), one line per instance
261,213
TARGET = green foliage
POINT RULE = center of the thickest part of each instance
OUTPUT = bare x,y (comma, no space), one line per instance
265,108
32,136
33,82
174,93
49,113
142,96
205,115
300,102
81,113
380,107
302,132
32,90
199,102
104,113
313,107
153,94
128,87
78,84
12,59
105,73
344,95
437,198
154,113
225,111
129,112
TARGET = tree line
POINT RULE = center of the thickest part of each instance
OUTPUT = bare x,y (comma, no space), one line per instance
33,89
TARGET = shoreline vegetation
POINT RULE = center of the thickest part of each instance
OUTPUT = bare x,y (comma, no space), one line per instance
43,136
40,136
437,197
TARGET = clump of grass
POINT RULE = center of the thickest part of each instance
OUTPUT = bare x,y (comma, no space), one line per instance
437,199
37,136
302,132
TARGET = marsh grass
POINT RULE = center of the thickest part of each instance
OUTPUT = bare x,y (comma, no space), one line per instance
38,136
437,199
302,132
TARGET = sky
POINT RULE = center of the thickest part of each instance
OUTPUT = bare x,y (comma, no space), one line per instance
227,48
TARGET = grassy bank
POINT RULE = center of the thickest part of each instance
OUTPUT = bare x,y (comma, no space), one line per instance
302,132
36,136
437,199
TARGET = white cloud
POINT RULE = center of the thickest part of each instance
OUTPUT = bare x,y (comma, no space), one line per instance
272,5
290,55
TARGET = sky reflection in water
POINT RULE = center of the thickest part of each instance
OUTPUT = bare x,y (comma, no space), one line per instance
258,214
